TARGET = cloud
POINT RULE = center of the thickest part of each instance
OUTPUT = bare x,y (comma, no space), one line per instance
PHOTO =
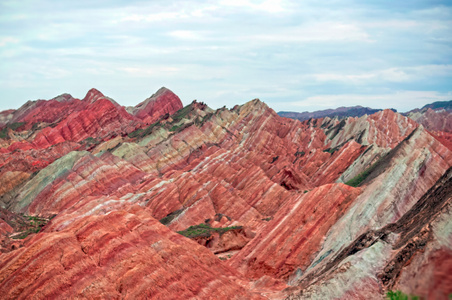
186,35
227,52
4,41
317,32
391,74
269,6
153,17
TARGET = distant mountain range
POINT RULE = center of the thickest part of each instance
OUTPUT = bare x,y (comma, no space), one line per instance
439,105
356,111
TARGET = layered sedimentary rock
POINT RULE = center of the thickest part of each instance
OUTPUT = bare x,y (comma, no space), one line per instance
438,121
390,191
42,131
161,103
412,254
265,206
115,254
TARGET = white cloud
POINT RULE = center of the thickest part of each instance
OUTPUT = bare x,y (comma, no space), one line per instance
151,70
186,35
270,6
228,51
391,74
8,40
316,32
153,17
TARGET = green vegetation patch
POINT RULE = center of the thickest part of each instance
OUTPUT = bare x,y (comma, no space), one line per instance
135,133
91,141
358,179
26,233
204,230
206,118
398,295
3,133
144,132
175,127
171,216
330,150
13,126
31,224
16,125
300,153
182,113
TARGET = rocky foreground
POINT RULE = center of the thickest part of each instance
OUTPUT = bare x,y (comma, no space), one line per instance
161,201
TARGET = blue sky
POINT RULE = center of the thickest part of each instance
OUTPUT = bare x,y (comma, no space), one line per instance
293,55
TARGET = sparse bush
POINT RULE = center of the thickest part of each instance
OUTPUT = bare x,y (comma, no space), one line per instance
358,179
398,295
204,230
299,153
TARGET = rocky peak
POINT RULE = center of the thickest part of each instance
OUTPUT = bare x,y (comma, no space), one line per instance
162,102
64,98
93,95
255,105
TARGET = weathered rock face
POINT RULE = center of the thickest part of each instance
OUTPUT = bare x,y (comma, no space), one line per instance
161,103
270,207
385,129
437,121
434,120
412,254
42,131
119,254
290,240
393,187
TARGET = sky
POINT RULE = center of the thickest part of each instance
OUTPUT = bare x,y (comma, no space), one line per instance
293,55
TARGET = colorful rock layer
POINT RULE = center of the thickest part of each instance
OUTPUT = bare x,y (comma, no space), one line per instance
161,201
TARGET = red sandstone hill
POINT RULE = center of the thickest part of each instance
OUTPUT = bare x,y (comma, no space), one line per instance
251,205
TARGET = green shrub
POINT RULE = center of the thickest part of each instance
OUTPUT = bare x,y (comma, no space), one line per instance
204,230
3,133
171,216
33,224
331,150
358,179
15,125
12,126
143,132
398,295
300,153
91,141
181,113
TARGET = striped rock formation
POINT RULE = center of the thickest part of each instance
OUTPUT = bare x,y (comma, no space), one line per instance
162,201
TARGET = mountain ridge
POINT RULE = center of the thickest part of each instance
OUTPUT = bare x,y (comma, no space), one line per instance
234,203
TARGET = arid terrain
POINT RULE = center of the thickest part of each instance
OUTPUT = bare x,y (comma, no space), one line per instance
162,201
